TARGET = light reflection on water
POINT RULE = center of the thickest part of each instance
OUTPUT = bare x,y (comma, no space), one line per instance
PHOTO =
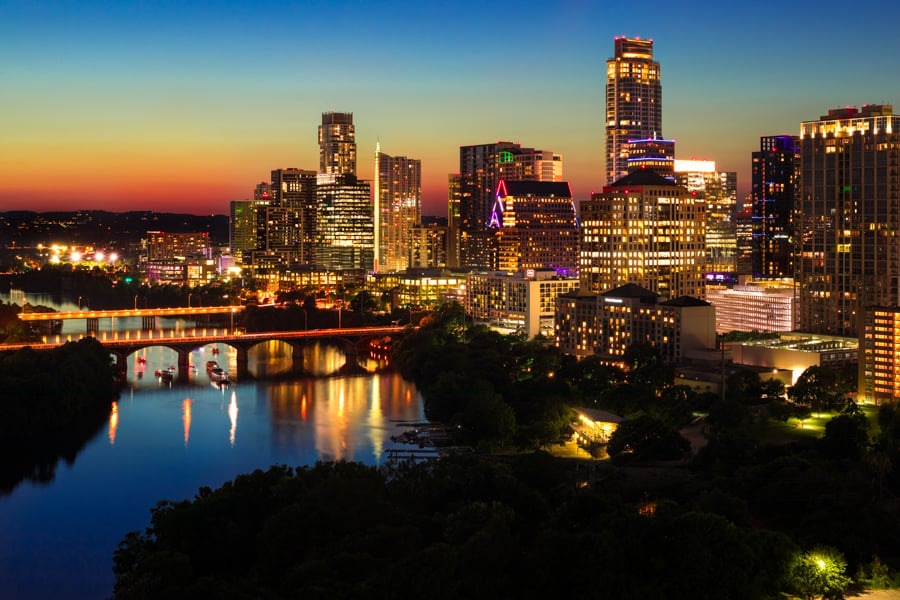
166,439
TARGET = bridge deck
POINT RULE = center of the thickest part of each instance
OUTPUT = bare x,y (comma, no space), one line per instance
126,339
140,312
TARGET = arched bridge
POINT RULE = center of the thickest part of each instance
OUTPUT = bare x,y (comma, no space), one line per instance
348,339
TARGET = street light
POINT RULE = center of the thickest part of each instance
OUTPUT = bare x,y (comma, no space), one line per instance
189,300
305,321
135,301
79,303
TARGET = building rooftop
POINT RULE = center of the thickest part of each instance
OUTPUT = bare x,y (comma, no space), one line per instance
685,301
640,177
540,189
631,290
578,293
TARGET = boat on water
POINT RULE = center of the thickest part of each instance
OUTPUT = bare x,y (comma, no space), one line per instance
167,374
218,374
210,365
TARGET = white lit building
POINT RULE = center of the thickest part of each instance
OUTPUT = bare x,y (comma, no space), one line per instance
524,302
765,306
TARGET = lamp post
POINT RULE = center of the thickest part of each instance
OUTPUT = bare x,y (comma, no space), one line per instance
189,300
305,320
135,301
79,303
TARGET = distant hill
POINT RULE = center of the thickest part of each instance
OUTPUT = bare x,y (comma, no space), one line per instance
102,228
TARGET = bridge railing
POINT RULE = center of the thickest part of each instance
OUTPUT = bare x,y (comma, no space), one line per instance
143,335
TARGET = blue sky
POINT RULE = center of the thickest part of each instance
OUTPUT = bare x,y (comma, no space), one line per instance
185,106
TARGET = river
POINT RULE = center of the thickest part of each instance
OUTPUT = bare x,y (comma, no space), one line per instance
165,440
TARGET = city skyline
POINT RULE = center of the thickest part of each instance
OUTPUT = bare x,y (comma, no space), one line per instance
186,108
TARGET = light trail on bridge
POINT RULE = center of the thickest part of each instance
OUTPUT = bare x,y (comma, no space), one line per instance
140,312
176,337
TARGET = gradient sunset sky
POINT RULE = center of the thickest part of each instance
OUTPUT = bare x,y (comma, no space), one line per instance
185,106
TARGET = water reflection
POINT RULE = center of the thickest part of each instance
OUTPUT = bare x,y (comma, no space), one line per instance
113,423
232,415
162,442
186,418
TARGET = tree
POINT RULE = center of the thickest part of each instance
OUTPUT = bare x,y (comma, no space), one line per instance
363,302
647,368
590,378
646,438
818,572
846,436
819,389
772,389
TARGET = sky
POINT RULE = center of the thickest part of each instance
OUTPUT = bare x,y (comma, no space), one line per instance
185,106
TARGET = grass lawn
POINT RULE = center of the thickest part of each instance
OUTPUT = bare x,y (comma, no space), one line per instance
775,432
769,431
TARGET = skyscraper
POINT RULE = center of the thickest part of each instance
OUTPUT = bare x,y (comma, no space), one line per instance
337,144
719,190
849,218
536,226
398,208
633,101
481,167
775,174
643,229
453,222
345,225
291,218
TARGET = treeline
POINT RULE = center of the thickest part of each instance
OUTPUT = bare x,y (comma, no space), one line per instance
460,528
52,402
96,289
502,390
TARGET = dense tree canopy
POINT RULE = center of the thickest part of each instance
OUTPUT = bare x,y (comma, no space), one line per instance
499,388
460,528
52,402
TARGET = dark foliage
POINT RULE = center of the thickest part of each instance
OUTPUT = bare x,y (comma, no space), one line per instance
53,401
460,528
500,388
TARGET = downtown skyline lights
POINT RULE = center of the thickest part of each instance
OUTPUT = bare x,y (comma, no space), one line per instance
174,108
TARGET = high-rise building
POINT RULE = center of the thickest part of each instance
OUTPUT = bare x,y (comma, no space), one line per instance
337,144
262,198
646,230
345,225
775,174
606,324
453,222
162,246
719,190
398,208
657,155
481,167
428,245
536,226
241,228
881,341
848,222
743,231
291,217
633,101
